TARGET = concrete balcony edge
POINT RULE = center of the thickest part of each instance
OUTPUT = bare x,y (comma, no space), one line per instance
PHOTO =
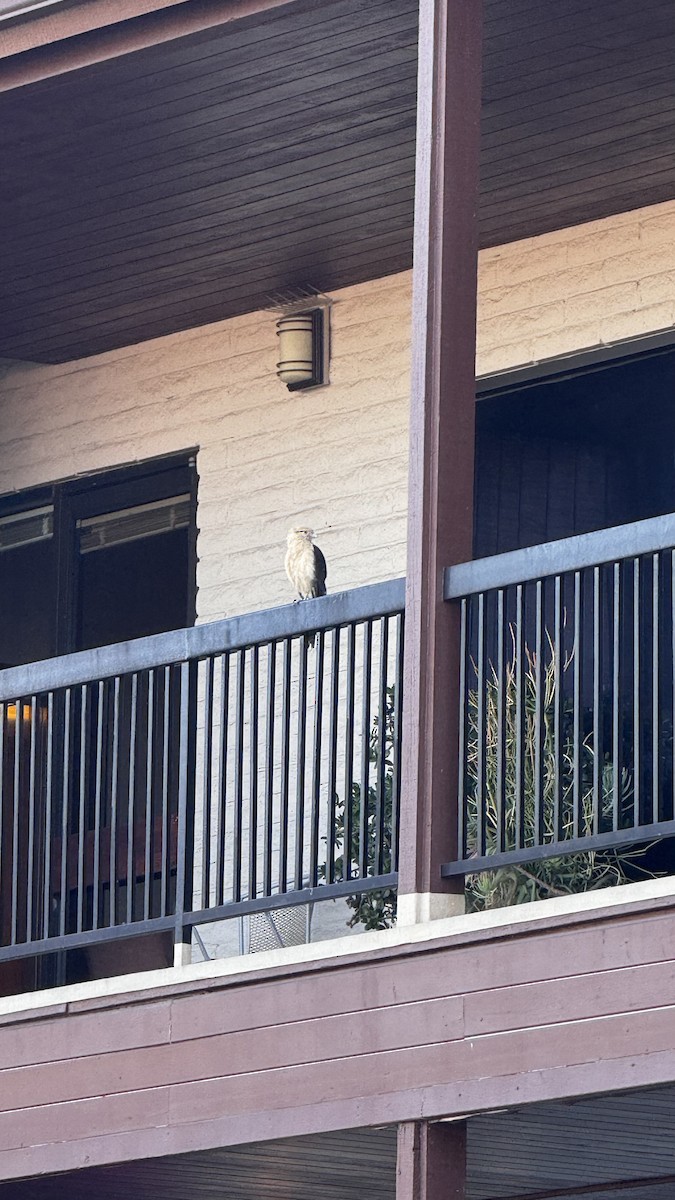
561,912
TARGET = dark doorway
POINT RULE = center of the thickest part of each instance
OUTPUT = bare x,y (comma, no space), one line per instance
583,450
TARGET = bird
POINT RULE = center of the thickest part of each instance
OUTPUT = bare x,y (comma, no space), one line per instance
305,564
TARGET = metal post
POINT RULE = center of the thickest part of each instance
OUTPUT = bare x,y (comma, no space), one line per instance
186,812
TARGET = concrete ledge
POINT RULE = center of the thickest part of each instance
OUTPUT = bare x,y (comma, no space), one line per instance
419,907
633,898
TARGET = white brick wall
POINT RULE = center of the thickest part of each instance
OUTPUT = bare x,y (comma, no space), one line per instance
336,457
579,287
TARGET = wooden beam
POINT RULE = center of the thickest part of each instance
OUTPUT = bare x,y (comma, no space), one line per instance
81,36
440,521
431,1160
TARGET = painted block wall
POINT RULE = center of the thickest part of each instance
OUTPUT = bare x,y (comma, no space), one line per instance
335,458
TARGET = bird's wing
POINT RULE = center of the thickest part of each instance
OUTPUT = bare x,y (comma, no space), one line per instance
321,572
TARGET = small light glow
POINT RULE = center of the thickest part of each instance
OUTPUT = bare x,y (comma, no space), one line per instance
11,711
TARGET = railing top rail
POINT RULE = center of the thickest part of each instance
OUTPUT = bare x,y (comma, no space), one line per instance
180,645
555,558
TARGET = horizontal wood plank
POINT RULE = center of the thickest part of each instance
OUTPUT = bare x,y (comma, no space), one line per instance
461,1023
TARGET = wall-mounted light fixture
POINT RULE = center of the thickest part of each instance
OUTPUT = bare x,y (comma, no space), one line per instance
303,329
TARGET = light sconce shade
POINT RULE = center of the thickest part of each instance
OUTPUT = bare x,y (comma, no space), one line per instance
303,348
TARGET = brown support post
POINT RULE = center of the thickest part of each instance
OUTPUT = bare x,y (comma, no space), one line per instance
431,1160
440,519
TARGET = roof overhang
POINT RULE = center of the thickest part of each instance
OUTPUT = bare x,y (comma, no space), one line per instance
189,162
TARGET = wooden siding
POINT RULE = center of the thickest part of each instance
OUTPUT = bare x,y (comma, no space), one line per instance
565,1006
192,179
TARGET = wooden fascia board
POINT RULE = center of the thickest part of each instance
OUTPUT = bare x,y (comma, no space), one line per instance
571,1005
44,46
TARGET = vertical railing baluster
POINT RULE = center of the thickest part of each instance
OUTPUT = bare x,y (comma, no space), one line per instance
637,746
98,796
462,832
65,781
149,846
397,734
316,759
131,799
538,827
349,755
500,731
238,776
3,864
597,705
114,798
16,809
3,747
519,749
382,737
656,688
207,765
364,805
300,764
222,777
539,724
81,824
253,739
332,755
49,798
285,766
673,682
576,709
185,831
32,788
165,851
269,768
617,764
558,664
481,733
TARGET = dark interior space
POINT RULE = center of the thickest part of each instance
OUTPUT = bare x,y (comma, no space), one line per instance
575,452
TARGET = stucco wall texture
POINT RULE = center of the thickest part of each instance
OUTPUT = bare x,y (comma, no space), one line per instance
336,457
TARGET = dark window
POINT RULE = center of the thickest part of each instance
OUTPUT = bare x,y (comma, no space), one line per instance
97,560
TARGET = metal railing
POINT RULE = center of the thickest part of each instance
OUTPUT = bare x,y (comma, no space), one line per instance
568,696
235,767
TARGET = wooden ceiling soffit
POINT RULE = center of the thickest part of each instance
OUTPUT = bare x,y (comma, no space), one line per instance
270,144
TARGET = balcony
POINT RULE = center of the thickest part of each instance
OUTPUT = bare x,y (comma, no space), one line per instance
251,768
227,770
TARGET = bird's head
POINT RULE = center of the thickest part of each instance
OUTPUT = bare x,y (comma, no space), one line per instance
300,531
